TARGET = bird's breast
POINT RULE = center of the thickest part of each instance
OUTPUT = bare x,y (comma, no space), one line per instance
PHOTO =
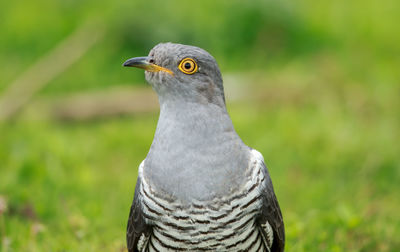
221,224
200,166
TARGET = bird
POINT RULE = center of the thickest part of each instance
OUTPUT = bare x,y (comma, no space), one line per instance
200,188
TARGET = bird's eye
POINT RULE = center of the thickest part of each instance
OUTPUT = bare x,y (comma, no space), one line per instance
188,66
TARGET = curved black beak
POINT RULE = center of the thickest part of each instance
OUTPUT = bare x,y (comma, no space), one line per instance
144,63
140,62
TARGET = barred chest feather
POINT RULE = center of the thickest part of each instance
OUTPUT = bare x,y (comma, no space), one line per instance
223,224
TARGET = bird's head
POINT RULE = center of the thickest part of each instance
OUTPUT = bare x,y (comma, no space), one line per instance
182,72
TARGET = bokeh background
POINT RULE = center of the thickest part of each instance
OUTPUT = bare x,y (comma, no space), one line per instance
313,85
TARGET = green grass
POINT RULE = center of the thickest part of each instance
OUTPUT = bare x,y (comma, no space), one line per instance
77,179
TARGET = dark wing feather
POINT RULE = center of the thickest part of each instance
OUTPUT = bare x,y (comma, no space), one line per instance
271,212
136,223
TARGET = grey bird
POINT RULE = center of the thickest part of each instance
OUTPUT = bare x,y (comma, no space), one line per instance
200,188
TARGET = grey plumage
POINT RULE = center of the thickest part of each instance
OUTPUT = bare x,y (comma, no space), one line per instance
200,187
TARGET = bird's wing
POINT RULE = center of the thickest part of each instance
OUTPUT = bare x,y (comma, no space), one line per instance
270,219
138,231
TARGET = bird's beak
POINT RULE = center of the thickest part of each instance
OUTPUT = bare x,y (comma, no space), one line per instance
143,62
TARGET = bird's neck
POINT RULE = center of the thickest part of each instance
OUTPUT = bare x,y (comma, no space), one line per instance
192,123
195,150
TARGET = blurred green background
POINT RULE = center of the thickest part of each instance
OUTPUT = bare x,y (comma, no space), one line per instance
313,85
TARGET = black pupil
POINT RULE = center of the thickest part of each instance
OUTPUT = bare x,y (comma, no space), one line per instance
187,65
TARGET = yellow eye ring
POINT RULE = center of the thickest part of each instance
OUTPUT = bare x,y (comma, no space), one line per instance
188,66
